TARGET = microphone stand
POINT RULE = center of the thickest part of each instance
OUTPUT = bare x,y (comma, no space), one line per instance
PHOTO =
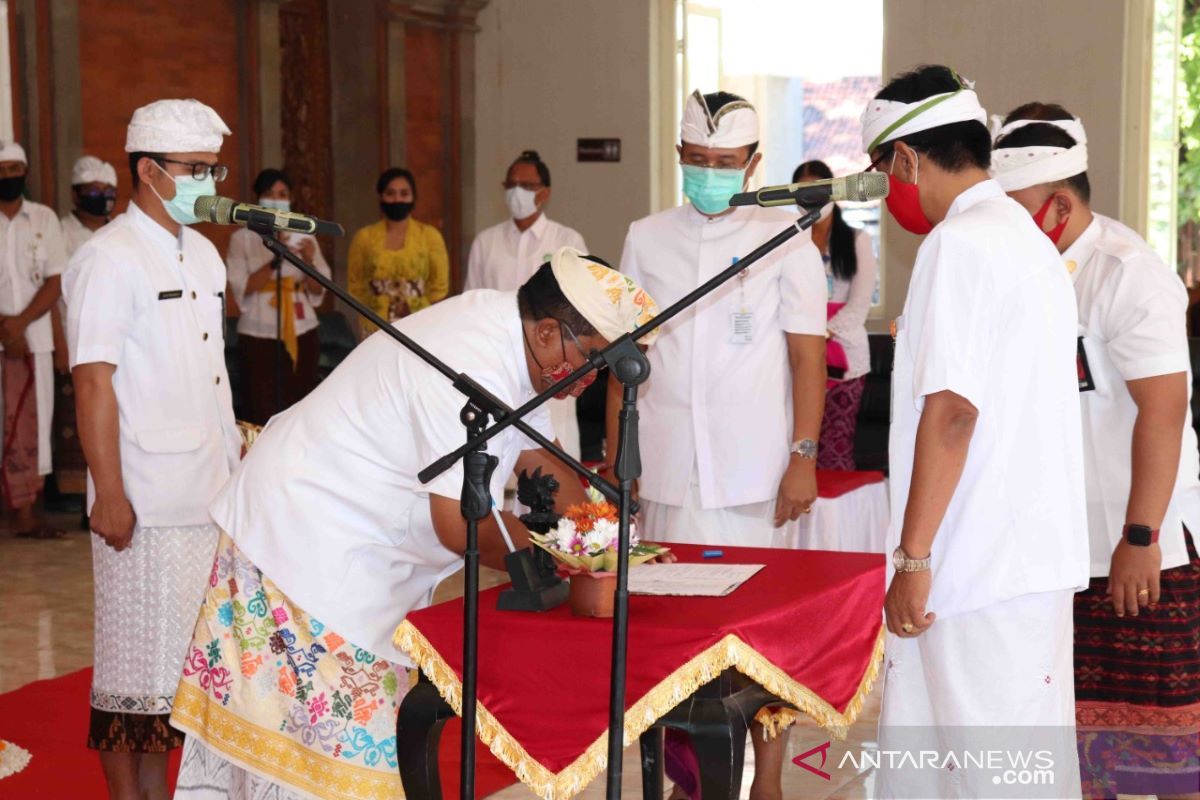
476,501
278,332
631,368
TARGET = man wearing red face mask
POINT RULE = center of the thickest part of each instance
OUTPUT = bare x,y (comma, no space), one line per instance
1137,625
988,526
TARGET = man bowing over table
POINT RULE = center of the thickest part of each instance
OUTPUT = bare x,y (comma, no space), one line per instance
292,681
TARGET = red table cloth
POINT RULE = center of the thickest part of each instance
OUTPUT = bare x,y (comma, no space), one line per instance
807,627
833,483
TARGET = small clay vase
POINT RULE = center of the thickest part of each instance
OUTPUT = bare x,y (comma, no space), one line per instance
592,595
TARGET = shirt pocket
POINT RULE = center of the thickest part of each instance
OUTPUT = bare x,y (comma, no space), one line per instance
170,440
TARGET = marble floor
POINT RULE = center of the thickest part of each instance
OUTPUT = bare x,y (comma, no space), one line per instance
46,631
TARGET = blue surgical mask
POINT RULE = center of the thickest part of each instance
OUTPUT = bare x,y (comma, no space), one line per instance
710,188
278,205
182,207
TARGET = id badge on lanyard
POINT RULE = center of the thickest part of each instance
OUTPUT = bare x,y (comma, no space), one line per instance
741,321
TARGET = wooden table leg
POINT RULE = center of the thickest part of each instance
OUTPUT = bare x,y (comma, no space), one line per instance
652,763
423,713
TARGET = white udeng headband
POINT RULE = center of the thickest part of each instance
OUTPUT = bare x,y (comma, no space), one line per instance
1016,168
885,120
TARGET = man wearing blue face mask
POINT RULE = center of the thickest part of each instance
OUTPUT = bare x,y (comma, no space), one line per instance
145,321
731,414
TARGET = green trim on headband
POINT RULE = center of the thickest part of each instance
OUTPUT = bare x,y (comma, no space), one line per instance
928,104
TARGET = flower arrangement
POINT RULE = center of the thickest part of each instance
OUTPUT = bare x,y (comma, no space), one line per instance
585,539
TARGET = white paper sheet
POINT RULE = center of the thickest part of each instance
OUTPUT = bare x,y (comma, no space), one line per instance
690,580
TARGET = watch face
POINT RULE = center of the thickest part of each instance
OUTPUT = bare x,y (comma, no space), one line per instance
898,558
1139,535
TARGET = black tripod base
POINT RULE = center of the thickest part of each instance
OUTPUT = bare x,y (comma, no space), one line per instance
532,588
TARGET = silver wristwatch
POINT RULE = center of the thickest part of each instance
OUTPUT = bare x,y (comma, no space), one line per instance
902,562
805,448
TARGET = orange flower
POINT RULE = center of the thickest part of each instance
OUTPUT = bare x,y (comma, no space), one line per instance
287,682
585,515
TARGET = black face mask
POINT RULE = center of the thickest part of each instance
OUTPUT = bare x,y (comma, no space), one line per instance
12,188
98,205
396,211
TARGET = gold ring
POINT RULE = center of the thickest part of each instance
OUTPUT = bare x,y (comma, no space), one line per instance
1143,593
907,627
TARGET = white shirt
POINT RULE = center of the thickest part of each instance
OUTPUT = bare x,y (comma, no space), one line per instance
75,233
1132,317
990,316
504,257
327,502
849,326
246,254
724,407
31,250
153,305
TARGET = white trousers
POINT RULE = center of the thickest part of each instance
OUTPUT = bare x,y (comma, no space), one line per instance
43,382
997,679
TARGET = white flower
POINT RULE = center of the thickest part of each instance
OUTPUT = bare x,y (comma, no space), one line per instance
564,534
602,537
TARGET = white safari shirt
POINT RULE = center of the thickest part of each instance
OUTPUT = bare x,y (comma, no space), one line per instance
1132,319
32,249
503,257
153,305
327,503
75,233
715,400
990,316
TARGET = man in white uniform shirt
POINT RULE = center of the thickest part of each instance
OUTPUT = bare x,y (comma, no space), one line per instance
32,258
145,321
329,528
505,255
732,411
1141,468
988,525
93,196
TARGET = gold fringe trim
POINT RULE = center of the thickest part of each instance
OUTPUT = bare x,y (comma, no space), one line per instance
730,651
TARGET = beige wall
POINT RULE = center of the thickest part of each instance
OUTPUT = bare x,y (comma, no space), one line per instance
1067,51
549,72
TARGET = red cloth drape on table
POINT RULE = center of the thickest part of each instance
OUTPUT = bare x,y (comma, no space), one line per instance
807,627
833,483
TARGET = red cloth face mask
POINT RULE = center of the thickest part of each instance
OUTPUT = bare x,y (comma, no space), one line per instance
1057,231
552,375
904,203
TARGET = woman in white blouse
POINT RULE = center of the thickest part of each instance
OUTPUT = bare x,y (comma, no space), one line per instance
850,269
269,329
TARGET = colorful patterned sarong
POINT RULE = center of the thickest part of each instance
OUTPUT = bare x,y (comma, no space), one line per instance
19,465
271,690
1137,689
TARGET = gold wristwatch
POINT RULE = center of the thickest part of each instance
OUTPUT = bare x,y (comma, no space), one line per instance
903,563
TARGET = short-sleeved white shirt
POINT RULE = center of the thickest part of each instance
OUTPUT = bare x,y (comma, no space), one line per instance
327,502
725,407
247,254
31,250
990,316
1132,317
153,305
503,257
75,233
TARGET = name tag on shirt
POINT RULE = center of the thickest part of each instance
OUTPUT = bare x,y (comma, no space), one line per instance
1086,384
299,311
741,327
171,295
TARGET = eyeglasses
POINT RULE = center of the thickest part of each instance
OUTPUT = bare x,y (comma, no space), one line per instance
728,164
882,157
529,187
200,170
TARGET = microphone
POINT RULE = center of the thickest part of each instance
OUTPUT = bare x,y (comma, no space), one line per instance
225,211
857,188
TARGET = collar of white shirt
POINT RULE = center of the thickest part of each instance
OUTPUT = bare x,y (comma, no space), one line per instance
536,229
984,190
23,211
1081,249
156,232
695,217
